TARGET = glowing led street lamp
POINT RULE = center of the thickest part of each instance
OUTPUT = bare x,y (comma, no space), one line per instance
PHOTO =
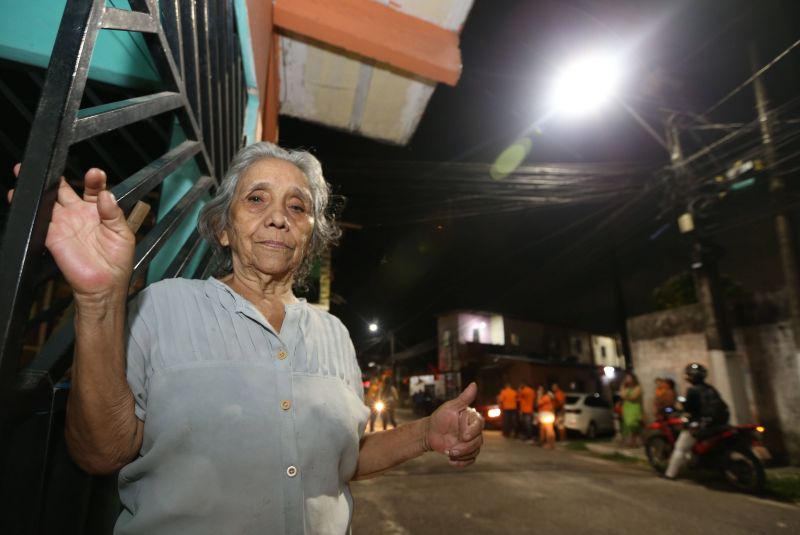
373,327
585,84
589,82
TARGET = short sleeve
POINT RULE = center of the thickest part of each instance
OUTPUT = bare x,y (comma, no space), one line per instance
138,341
352,361
356,379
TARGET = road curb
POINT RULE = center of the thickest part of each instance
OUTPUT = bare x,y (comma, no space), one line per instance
613,449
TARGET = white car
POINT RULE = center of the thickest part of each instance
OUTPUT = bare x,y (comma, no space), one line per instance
589,414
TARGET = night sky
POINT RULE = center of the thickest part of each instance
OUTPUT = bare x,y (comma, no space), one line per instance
554,263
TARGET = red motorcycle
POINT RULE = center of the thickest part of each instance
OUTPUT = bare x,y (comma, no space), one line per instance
736,451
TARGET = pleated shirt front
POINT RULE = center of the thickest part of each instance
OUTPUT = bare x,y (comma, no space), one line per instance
246,430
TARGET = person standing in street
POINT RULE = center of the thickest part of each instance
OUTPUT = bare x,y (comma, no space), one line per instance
508,404
390,398
560,403
526,399
547,416
631,396
370,400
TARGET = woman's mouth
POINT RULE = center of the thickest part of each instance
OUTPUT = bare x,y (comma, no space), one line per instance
274,244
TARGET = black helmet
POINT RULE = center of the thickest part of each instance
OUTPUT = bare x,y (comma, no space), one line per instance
696,373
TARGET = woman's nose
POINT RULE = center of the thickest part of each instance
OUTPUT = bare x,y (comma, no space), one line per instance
276,217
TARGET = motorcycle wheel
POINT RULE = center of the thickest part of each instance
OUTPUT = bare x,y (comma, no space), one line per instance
658,451
742,470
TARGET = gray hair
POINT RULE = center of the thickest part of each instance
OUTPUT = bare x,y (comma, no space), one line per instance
215,216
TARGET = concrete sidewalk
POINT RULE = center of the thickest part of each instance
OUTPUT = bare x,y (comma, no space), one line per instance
613,447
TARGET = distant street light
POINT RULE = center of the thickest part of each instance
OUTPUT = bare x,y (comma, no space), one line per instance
373,327
585,84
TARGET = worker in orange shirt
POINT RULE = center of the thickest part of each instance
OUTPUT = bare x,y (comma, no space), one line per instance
547,416
508,404
560,403
526,397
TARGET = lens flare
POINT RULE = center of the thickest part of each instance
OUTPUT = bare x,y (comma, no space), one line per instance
511,158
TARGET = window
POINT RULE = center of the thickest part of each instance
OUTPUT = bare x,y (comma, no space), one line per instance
514,339
603,351
596,401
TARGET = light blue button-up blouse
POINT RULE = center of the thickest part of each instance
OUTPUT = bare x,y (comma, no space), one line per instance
246,430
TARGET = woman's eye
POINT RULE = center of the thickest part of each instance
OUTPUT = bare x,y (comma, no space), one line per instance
298,208
255,199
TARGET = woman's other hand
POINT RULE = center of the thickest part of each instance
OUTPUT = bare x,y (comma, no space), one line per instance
456,430
89,238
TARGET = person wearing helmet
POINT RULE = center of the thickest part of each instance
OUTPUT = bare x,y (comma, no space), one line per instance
705,410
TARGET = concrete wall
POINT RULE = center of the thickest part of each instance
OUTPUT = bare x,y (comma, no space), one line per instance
663,343
666,357
773,365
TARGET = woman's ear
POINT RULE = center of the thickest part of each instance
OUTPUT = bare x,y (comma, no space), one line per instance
223,238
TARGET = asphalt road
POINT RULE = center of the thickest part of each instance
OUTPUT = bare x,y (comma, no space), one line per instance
520,488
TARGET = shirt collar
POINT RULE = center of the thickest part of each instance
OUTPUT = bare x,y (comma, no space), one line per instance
236,304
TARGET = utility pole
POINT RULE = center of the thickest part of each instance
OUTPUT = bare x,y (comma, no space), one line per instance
761,371
777,188
725,362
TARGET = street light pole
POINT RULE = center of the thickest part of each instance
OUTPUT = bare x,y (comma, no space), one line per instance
644,124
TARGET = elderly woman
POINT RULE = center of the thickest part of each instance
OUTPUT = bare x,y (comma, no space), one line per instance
228,405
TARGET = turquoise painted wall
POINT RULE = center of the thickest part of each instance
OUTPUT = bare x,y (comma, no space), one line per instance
174,187
28,31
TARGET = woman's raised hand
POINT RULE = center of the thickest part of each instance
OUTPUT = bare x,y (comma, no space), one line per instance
456,430
90,239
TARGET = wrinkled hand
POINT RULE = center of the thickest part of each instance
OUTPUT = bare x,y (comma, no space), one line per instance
456,430
89,238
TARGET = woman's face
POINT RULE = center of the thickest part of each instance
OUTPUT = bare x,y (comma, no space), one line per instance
271,219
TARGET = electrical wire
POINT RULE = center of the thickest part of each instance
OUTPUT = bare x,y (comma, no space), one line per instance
412,192
747,82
